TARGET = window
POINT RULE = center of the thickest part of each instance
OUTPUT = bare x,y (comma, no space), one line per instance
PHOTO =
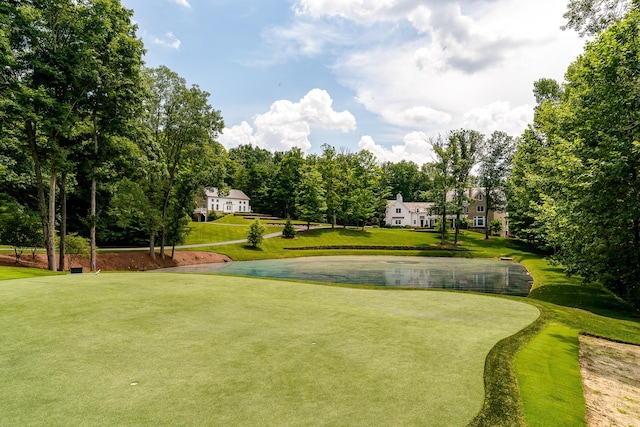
398,210
479,197
398,222
478,221
479,208
417,209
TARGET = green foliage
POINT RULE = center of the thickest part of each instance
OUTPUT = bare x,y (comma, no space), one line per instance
495,168
255,233
582,196
76,247
495,227
288,231
590,17
19,228
310,201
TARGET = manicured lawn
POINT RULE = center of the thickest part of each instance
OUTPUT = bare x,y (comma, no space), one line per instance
7,273
153,348
549,377
212,232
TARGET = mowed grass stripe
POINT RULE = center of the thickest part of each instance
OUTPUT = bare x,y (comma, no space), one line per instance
210,350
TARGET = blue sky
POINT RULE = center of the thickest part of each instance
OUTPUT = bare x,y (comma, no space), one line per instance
385,75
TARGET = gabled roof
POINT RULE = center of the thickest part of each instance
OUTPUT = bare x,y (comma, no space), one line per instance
233,194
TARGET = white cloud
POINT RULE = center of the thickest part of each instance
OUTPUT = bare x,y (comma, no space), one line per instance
474,70
415,148
288,124
170,41
499,116
184,3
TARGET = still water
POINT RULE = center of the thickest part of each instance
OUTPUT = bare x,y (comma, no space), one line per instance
478,275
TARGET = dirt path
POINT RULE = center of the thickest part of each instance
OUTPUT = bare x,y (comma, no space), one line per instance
611,382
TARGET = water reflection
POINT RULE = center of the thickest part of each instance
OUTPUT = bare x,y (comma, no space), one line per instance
479,275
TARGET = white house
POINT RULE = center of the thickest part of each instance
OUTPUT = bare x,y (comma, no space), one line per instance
413,214
235,201
421,214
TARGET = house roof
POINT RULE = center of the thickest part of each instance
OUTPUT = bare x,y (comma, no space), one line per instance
233,194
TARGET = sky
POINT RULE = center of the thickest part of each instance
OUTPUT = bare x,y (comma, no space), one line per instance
383,75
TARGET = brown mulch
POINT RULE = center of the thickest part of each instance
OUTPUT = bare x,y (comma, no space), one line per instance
122,261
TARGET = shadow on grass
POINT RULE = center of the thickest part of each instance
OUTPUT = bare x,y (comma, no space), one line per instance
592,298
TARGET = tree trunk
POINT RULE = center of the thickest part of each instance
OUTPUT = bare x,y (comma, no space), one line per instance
93,211
152,242
30,130
63,221
486,214
51,247
443,226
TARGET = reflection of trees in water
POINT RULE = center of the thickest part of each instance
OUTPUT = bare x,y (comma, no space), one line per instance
500,280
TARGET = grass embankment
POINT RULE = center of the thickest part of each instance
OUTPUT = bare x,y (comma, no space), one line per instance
147,349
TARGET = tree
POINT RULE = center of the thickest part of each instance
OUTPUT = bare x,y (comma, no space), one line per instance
404,177
547,90
283,190
77,247
594,211
113,84
495,226
182,125
43,55
19,227
495,167
441,173
591,17
255,233
288,231
465,147
328,167
310,201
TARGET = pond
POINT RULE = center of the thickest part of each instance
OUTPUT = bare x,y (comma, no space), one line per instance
478,275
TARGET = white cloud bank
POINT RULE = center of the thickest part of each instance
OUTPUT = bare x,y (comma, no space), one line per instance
443,65
288,124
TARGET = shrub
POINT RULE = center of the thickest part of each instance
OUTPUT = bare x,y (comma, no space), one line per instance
255,233
288,231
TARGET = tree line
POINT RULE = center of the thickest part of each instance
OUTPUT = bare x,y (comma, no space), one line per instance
575,184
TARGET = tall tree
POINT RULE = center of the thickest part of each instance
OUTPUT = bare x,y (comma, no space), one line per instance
182,125
495,168
441,173
283,190
43,53
113,84
310,196
328,167
465,149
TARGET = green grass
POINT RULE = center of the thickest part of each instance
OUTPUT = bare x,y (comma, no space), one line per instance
220,351
549,378
8,273
212,232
